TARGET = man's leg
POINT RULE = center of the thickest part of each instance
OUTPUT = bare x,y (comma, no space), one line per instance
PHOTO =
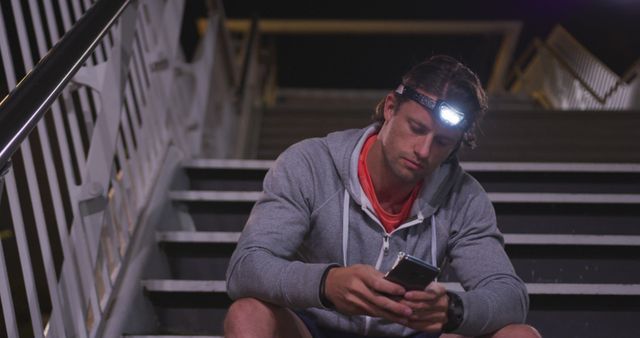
509,331
250,317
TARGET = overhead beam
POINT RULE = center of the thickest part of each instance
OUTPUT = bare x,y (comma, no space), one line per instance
403,27
509,30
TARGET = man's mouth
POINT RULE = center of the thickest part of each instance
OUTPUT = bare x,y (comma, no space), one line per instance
413,164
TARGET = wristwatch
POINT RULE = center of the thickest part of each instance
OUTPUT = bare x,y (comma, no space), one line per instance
455,313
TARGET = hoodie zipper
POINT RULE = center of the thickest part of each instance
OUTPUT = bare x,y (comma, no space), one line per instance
385,244
385,249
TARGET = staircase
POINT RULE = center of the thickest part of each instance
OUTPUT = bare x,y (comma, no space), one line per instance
571,227
571,231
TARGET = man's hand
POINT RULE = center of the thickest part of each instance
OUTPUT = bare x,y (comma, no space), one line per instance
362,290
429,308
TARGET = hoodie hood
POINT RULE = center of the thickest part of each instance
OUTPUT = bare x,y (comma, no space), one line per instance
345,147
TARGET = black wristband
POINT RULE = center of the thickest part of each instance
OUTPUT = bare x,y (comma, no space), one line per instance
455,313
323,298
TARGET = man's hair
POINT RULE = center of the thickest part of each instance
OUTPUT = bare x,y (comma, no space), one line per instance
449,80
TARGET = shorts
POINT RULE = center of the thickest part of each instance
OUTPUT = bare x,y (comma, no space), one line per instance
323,332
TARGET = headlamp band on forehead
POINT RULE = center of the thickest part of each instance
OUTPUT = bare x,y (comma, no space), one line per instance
443,111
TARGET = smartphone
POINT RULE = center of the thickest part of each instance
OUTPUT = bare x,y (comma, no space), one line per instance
411,272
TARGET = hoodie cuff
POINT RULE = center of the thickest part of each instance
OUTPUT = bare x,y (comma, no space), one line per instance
326,303
300,284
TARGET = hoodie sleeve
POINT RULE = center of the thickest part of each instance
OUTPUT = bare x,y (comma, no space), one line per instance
262,265
495,296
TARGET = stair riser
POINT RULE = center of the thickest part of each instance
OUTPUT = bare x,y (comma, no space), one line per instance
198,261
492,181
536,218
603,322
223,179
219,216
533,263
549,218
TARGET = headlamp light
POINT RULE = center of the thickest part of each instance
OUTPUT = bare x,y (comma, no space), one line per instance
443,111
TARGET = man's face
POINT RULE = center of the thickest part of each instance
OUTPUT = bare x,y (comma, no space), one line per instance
413,143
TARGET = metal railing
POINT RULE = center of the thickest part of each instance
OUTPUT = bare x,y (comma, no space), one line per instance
562,74
87,131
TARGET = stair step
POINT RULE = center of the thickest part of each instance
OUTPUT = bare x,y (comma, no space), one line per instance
551,167
504,197
587,240
186,286
169,336
211,237
496,197
197,237
178,293
214,196
227,164
467,165
218,286
576,289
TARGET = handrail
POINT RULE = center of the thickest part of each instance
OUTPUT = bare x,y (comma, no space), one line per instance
25,105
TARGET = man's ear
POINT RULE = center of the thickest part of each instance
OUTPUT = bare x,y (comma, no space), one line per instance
390,106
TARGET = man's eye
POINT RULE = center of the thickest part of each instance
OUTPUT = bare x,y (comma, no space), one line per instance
417,129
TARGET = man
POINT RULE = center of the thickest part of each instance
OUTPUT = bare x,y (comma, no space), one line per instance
336,211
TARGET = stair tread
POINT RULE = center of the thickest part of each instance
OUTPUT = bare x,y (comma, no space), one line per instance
467,165
212,195
168,336
214,237
516,197
571,239
552,167
198,236
214,163
181,285
219,286
496,197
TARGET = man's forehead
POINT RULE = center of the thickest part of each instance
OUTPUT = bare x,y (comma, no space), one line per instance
421,115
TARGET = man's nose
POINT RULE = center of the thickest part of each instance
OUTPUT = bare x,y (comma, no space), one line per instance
423,148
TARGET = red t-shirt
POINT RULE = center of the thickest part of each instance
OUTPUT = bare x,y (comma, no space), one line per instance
389,221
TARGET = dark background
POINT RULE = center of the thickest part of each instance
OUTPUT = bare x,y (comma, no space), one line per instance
610,29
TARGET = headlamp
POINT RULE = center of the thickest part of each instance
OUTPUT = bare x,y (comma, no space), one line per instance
443,111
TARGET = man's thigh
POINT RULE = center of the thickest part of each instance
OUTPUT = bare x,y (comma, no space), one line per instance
317,331
251,317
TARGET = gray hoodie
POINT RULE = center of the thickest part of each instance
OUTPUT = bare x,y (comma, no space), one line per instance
314,213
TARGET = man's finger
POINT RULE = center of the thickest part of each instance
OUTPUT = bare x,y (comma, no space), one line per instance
428,316
387,304
382,285
387,312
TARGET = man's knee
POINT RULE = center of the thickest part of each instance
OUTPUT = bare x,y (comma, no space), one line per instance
517,331
246,310
251,317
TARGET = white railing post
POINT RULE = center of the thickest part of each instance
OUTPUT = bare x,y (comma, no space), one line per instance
10,322
80,184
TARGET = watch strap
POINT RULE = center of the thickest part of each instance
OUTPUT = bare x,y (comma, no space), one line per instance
455,313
